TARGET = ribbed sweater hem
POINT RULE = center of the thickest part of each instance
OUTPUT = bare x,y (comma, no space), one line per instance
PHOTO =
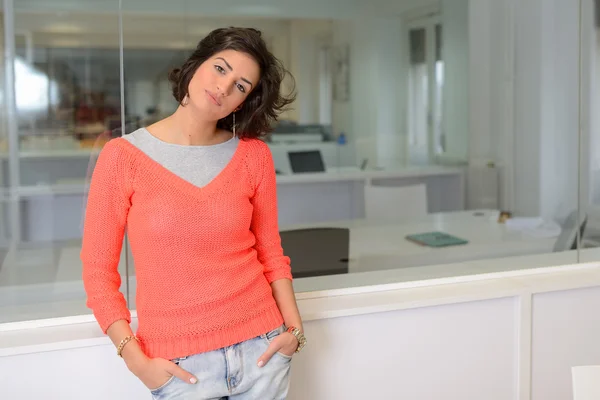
194,344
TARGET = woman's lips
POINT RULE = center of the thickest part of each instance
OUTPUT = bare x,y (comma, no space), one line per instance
213,98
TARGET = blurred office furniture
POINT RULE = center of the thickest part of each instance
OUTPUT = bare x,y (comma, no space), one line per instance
571,231
317,251
394,203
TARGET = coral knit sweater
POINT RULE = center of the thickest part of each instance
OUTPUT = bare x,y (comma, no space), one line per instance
204,256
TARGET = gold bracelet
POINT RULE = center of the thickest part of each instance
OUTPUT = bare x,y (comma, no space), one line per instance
123,343
299,336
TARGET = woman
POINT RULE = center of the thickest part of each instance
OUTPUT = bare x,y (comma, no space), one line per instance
216,309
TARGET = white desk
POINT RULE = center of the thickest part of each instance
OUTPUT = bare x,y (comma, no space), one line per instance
339,194
379,247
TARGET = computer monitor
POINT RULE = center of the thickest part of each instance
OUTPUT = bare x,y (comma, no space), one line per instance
306,161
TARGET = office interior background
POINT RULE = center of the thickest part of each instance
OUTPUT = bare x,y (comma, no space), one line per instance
476,119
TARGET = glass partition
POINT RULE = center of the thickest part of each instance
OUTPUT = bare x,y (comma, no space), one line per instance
65,79
590,128
424,142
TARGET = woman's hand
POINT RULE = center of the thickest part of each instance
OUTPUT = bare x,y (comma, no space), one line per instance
286,344
155,372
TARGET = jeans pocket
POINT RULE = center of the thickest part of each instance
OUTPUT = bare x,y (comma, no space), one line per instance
271,335
159,390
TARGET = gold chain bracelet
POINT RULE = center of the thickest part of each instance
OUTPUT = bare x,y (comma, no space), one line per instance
123,343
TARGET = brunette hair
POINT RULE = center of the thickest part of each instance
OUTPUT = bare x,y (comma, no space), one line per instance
264,104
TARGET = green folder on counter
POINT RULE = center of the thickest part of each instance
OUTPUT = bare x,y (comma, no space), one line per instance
436,239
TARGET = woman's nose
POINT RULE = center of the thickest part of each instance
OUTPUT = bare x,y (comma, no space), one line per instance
225,86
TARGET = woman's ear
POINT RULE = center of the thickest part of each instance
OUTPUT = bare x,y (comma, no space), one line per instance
238,108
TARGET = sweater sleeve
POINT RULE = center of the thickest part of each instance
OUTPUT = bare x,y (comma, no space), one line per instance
264,220
103,230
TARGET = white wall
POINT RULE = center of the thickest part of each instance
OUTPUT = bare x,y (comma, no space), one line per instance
524,100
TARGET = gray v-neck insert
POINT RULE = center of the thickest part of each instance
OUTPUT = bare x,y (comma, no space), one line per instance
198,165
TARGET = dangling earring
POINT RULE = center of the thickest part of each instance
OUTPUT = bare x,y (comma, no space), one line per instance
234,124
185,100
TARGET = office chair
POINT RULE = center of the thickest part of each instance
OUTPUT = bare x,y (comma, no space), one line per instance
317,251
567,240
394,203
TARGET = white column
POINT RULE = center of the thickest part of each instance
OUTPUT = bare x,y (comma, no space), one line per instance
455,53
523,77
280,46
305,68
374,116
546,107
491,92
391,92
342,110
560,108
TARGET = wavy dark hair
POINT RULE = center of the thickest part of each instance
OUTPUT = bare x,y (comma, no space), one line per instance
263,105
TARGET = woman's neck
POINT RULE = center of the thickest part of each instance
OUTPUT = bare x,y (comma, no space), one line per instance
187,129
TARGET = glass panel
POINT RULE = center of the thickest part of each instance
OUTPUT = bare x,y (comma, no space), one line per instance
420,122
67,91
590,161
418,143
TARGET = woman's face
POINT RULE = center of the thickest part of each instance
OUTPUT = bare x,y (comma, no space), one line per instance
222,83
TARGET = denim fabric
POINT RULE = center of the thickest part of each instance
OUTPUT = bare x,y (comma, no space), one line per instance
232,373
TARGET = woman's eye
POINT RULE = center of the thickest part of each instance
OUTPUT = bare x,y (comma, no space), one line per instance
219,68
241,88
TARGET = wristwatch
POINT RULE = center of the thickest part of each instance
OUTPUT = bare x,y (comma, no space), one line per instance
299,335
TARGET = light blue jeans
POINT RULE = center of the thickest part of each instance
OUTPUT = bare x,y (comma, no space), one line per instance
231,373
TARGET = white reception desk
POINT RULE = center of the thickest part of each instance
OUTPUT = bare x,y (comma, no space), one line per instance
509,335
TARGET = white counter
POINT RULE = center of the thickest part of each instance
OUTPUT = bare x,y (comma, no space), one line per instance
355,294
507,331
